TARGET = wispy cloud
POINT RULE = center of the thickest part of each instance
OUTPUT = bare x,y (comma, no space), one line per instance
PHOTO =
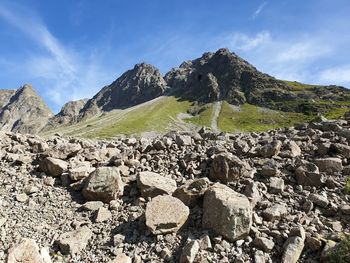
69,74
258,10
339,74
245,42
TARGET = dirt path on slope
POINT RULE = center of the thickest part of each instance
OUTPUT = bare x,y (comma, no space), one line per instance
214,120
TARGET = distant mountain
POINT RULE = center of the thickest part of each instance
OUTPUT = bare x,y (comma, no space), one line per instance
23,110
187,97
140,84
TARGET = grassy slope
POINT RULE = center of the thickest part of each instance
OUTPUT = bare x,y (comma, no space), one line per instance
204,117
253,118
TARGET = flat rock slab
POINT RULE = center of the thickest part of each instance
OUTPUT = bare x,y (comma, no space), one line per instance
166,214
153,184
75,241
227,212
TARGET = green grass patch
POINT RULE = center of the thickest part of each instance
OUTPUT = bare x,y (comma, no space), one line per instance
203,117
347,185
152,117
341,253
253,118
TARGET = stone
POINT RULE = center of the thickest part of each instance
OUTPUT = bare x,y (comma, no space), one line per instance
183,140
102,215
189,251
192,191
22,198
290,149
276,185
226,212
252,192
153,184
269,150
227,168
313,243
166,214
205,243
308,175
65,150
259,257
75,241
80,171
30,189
26,250
121,258
264,244
275,212
341,149
292,249
319,200
52,166
104,184
92,205
329,165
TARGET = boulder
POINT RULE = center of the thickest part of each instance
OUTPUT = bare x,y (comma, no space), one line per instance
319,200
276,185
27,250
189,251
52,166
275,212
153,184
290,149
226,212
65,150
75,241
292,248
166,214
308,175
263,243
80,171
329,165
227,168
192,191
269,150
104,184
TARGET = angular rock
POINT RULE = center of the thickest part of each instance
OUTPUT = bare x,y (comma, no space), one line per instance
319,200
121,258
189,251
153,184
92,205
80,171
276,185
104,184
264,244
226,212
308,175
329,165
26,250
192,191
183,140
270,149
166,214
274,212
292,249
53,166
65,150
102,215
75,241
290,149
228,168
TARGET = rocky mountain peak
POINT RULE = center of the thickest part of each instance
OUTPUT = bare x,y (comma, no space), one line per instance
142,83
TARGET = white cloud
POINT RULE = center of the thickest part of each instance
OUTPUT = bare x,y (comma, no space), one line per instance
258,10
339,74
244,42
67,74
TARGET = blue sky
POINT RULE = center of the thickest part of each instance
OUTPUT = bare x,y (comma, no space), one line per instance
71,49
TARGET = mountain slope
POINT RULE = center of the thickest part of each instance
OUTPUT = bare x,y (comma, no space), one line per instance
23,111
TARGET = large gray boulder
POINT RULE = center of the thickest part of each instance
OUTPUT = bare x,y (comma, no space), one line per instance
228,168
166,214
153,184
104,184
227,212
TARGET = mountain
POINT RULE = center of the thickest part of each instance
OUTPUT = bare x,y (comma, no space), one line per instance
140,84
218,90
23,110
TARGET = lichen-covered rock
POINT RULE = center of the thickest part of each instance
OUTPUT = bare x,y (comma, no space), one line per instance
227,212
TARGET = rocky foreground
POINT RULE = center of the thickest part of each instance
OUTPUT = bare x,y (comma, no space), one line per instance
276,196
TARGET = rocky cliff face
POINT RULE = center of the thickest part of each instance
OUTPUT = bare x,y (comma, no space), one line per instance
68,114
140,84
23,111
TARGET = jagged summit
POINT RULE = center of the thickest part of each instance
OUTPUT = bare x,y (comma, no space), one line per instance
24,111
223,75
142,83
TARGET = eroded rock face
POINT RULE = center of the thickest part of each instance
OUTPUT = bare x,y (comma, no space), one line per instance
166,214
227,212
104,184
228,168
153,184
